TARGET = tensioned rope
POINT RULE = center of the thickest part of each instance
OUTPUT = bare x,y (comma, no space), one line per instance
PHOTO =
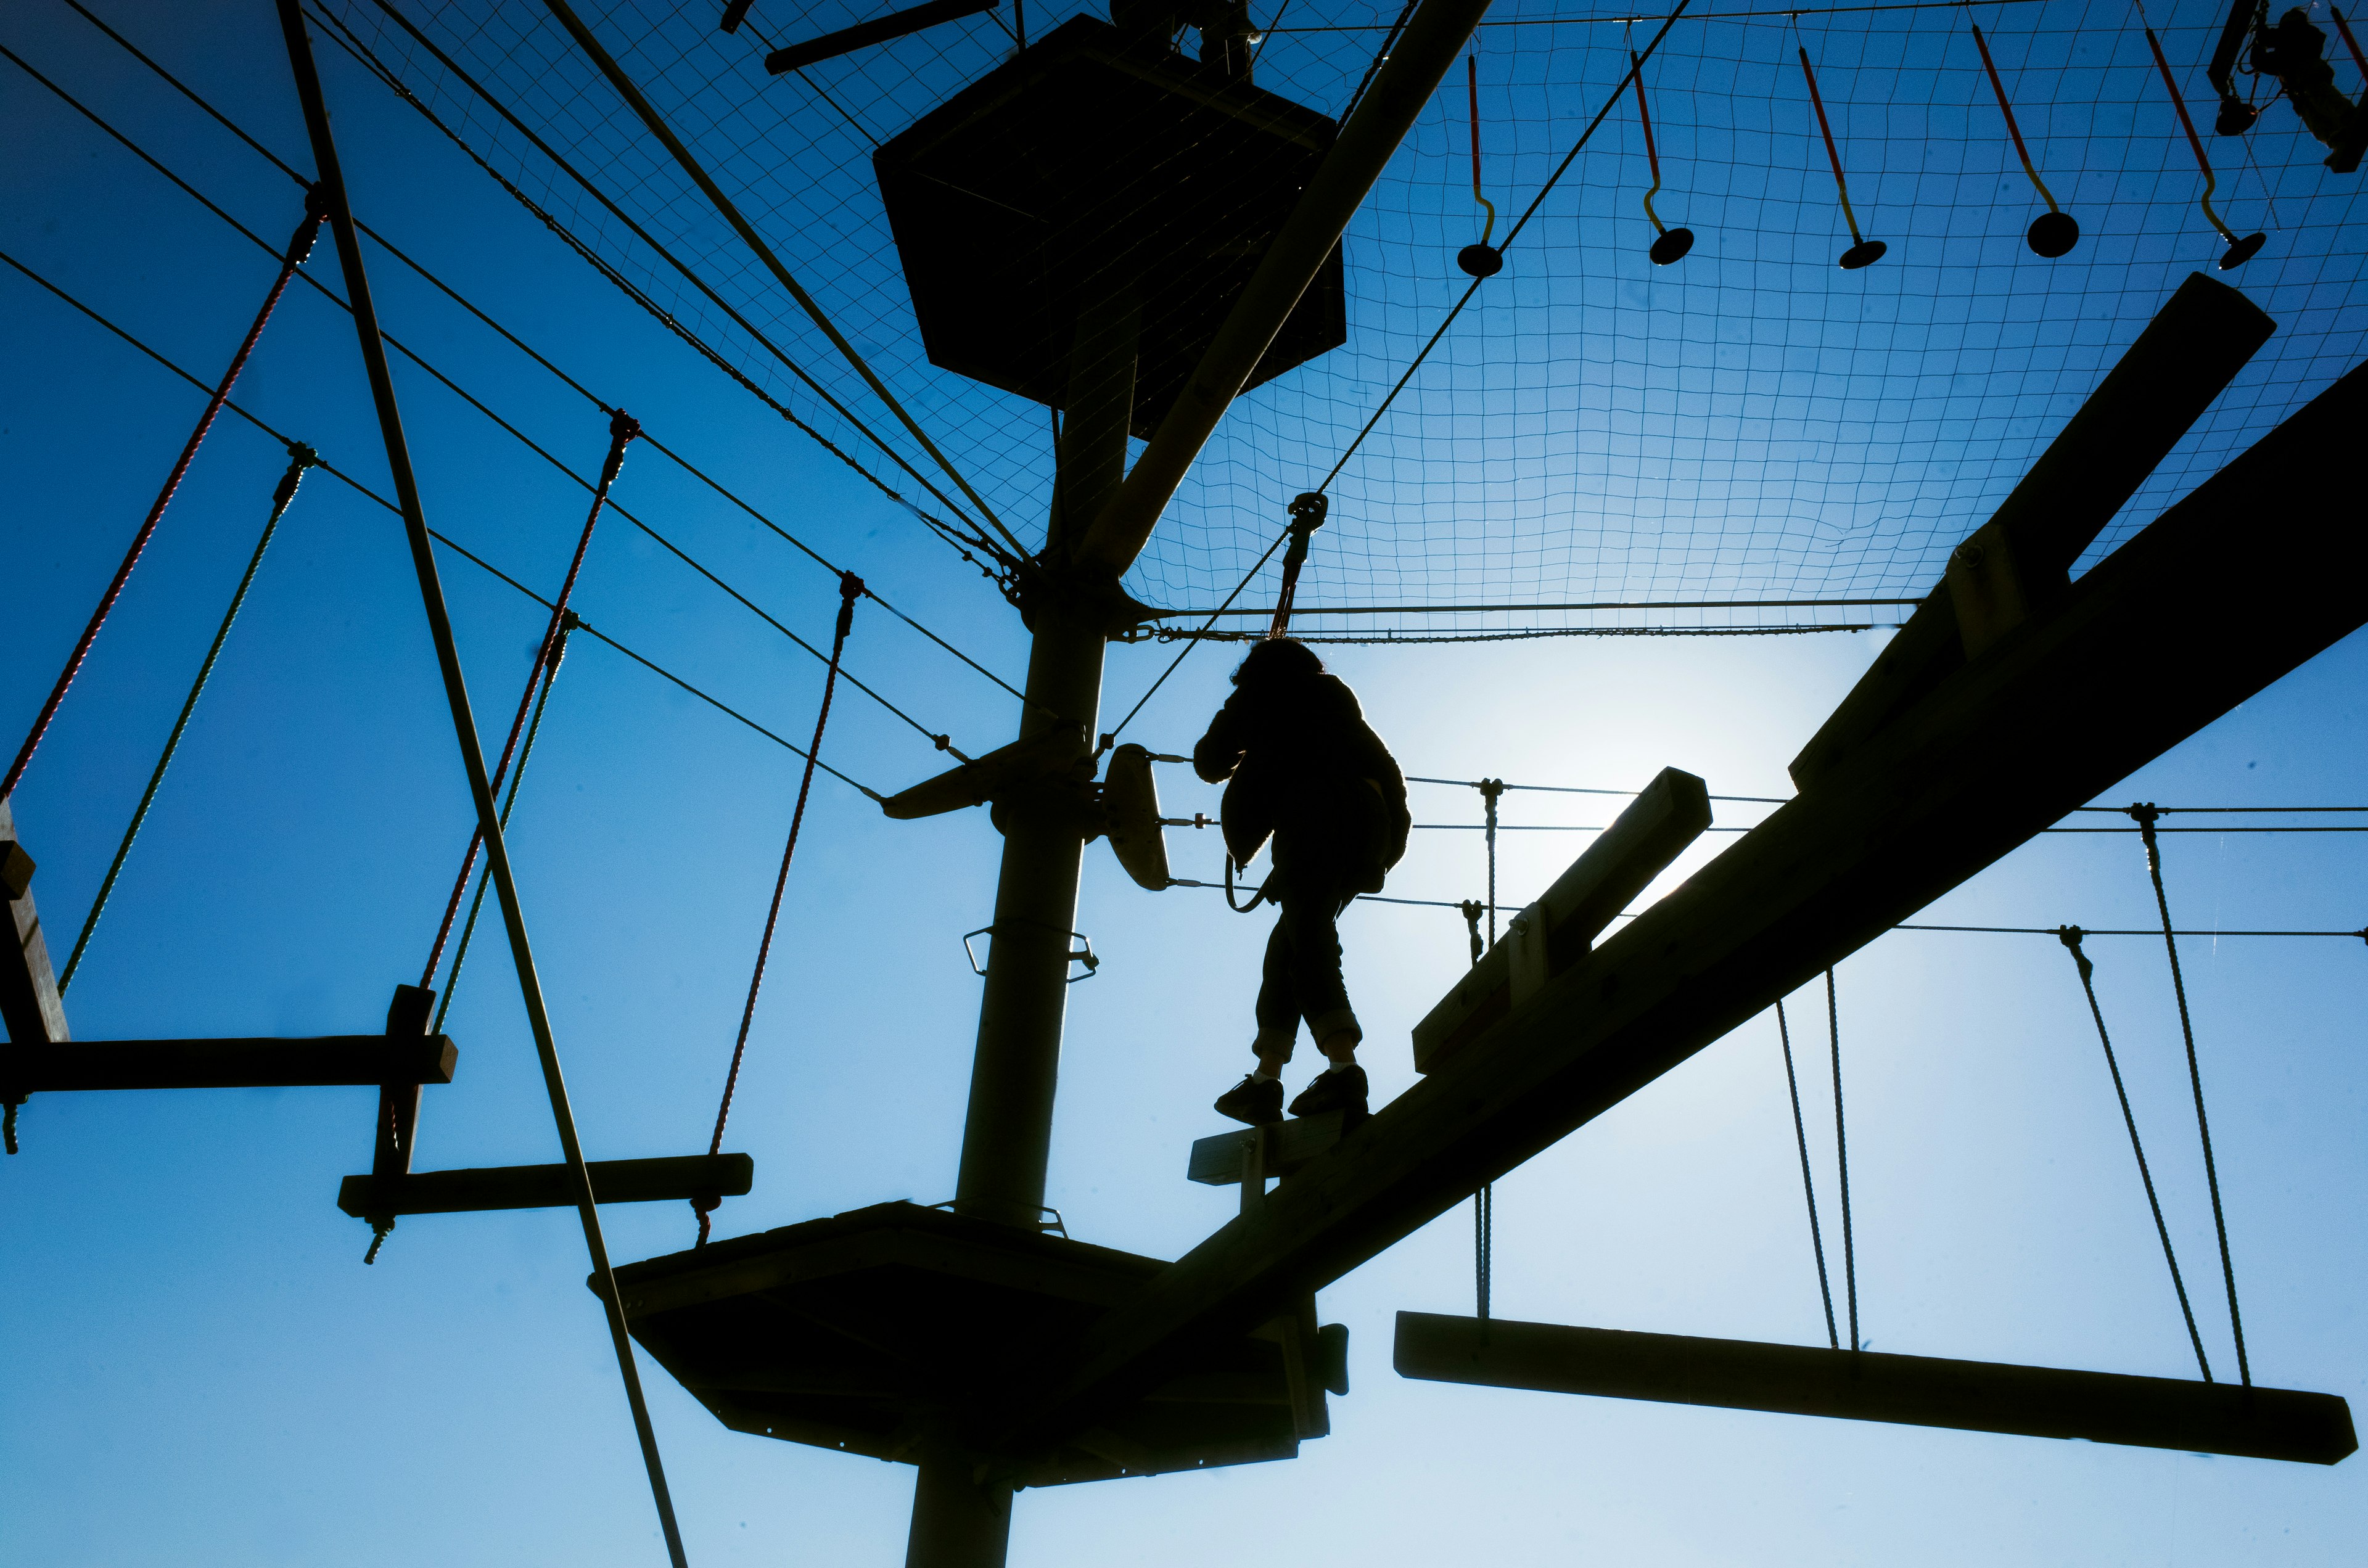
299,246
850,588
622,428
300,458
568,623
1808,1183
2070,936
1841,1158
937,739
2144,814
445,540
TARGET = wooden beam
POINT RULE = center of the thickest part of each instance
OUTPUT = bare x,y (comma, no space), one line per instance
1217,1160
862,35
1865,1385
2172,630
547,1187
237,1063
2016,562
29,991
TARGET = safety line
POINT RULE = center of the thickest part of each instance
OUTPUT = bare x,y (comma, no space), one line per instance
1187,652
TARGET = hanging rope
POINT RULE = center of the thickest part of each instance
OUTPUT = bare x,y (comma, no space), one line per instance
1306,516
850,588
2070,936
300,458
2144,814
1808,1186
622,428
1256,898
2239,250
1863,252
1841,1157
568,623
299,246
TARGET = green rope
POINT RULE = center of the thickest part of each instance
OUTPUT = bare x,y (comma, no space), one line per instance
300,458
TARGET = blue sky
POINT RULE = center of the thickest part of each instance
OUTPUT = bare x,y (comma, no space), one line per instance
200,1372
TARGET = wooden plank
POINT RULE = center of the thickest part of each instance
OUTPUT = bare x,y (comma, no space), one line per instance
1217,1160
1865,1385
2166,635
1560,928
2194,346
546,1186
30,1007
233,1063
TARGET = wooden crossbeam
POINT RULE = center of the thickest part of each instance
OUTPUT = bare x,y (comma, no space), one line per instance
234,1063
547,1187
1865,1385
1217,1160
2172,630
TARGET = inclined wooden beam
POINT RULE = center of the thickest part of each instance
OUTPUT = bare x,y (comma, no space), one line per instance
862,35
2187,355
2171,632
1866,1385
237,1063
1401,88
30,1007
547,1187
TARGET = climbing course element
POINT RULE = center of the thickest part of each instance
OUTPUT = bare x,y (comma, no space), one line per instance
2239,250
2070,936
1307,513
1808,1183
1132,819
299,246
1841,1161
622,428
1862,252
1480,260
850,588
300,458
1668,245
2053,231
2144,814
2291,53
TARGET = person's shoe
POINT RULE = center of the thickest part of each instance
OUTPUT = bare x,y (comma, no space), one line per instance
1341,1088
1256,1101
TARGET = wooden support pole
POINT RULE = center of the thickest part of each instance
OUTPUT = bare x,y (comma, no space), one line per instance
331,184
546,1186
2163,637
29,1006
1866,1385
235,1063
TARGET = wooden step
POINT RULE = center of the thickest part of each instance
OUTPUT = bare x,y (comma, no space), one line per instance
1865,1385
1217,1161
676,1179
232,1063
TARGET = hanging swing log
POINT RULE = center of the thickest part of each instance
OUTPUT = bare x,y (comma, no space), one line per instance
1865,1385
689,1177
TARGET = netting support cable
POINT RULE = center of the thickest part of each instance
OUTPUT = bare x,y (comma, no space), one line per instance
730,212
300,458
2144,814
1841,1158
299,246
2070,936
622,428
1808,1182
447,657
850,588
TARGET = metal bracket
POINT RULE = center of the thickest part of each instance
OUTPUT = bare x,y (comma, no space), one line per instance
1083,955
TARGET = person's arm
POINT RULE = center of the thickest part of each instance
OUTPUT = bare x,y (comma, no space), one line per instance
1219,751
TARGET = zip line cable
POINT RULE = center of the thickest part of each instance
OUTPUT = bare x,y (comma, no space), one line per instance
482,407
550,678
2070,936
477,560
525,348
298,246
850,588
300,458
1808,1183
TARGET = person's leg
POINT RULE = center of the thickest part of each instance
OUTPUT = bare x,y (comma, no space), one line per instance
1323,998
1277,1002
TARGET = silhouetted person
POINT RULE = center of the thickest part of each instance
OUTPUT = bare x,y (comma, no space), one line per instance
1309,771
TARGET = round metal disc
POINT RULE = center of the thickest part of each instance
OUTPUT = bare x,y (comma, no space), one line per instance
1866,253
2053,233
2243,251
1672,245
1480,261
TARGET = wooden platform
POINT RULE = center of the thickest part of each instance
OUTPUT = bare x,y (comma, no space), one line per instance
546,1186
1865,1385
868,1331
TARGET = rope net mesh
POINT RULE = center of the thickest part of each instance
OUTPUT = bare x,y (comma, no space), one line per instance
1752,422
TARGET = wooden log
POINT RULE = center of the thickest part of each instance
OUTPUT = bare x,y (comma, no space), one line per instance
1217,1160
2191,351
1865,1385
2163,637
547,1187
1558,930
29,1006
235,1063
